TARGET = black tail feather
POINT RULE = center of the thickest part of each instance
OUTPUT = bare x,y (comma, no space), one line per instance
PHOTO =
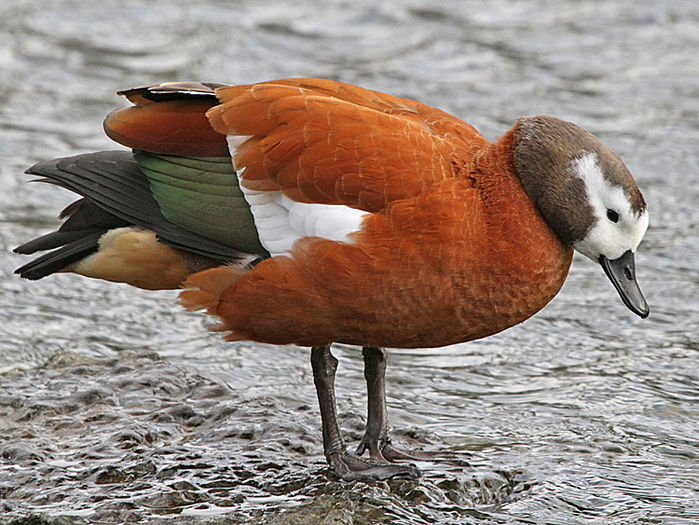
52,240
57,260
83,218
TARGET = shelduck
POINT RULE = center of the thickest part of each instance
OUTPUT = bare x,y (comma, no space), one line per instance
310,211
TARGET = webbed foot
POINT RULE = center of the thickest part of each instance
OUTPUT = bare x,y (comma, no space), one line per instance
350,467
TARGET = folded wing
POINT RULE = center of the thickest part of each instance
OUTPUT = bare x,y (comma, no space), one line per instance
327,142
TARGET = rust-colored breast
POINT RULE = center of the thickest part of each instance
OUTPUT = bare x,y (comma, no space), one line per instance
466,257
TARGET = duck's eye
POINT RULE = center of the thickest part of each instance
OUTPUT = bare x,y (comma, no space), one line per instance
612,215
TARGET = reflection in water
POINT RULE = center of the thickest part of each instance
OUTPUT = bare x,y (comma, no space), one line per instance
116,406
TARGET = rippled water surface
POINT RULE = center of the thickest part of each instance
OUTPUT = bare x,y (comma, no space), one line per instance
116,406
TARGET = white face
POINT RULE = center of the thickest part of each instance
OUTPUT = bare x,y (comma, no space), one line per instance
617,228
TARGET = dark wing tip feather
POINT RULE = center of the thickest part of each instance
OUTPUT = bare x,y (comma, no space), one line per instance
116,193
170,91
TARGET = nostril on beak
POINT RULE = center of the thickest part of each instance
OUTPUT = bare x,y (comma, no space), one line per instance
628,273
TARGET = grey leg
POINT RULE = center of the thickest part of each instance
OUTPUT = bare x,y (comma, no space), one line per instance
346,465
376,438
376,435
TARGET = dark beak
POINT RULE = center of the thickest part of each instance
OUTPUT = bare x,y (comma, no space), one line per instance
622,273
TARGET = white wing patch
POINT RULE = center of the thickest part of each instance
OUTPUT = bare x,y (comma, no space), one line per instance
281,221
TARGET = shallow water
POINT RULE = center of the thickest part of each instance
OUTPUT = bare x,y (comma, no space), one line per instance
116,406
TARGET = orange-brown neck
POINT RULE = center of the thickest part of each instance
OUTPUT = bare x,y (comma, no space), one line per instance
528,261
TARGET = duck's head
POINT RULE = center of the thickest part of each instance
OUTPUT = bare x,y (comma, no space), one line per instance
587,195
